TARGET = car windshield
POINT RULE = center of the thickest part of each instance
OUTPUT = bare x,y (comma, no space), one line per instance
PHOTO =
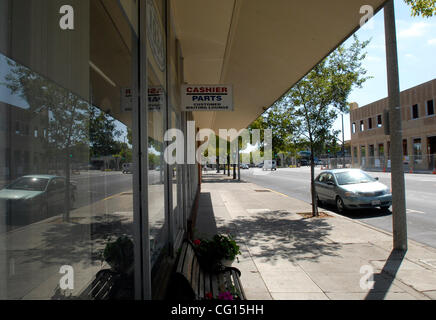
29,184
353,177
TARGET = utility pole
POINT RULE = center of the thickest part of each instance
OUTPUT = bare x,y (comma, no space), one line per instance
343,142
397,174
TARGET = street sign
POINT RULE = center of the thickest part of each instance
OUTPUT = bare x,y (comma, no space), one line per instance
207,98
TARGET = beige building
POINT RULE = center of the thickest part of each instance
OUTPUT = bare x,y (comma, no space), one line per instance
369,144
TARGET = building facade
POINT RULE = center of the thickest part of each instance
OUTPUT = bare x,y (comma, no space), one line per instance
371,146
100,79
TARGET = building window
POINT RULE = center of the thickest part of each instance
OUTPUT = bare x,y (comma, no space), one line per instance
17,127
379,121
430,108
362,125
35,133
415,112
369,123
405,147
353,127
417,149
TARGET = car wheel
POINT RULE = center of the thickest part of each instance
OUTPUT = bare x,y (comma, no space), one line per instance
385,208
340,205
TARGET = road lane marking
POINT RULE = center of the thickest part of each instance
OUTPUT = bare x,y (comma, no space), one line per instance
414,211
282,194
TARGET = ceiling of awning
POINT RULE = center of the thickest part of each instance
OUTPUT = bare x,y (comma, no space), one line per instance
260,47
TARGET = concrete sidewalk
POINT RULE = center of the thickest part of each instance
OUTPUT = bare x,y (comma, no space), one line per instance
286,256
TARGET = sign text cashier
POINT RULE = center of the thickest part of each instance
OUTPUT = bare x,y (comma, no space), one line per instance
207,98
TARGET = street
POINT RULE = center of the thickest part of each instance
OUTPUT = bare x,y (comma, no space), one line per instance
420,198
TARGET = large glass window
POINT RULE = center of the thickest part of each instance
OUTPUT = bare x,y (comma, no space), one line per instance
65,140
157,125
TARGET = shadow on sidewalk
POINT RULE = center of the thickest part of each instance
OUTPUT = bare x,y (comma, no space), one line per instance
271,235
219,178
384,280
77,241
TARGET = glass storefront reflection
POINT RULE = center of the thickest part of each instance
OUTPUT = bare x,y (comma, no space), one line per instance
63,145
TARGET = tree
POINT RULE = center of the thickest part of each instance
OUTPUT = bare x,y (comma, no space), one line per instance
426,8
282,126
102,134
66,114
314,102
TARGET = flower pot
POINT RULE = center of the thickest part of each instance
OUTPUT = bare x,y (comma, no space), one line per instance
227,263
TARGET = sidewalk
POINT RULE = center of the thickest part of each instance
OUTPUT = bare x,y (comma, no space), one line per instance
286,256
32,255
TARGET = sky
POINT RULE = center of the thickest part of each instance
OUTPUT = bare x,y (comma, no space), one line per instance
416,40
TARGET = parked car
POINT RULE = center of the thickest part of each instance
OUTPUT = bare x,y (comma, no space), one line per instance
35,197
270,165
259,165
351,189
245,166
304,162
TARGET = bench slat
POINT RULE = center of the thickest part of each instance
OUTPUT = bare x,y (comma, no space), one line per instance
195,277
187,266
182,257
238,285
214,285
207,287
201,284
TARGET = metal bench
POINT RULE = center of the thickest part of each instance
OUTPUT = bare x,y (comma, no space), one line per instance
109,285
193,282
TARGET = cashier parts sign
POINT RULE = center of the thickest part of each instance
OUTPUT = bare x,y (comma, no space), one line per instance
207,98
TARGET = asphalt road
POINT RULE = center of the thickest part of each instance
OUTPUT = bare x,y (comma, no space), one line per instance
420,199
94,186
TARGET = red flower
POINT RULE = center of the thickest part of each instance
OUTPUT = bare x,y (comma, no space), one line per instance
209,296
197,242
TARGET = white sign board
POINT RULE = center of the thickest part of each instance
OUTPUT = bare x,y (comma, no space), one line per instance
207,98
126,99
156,98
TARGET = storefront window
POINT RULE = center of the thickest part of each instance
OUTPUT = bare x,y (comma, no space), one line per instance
157,125
65,142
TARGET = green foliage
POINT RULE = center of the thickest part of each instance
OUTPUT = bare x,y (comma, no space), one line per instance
119,254
315,102
212,252
102,134
426,8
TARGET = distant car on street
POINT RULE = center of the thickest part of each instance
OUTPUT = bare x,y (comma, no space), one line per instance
245,166
259,165
351,189
304,162
270,165
35,197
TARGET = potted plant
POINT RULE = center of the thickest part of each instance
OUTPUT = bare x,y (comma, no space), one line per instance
216,253
119,255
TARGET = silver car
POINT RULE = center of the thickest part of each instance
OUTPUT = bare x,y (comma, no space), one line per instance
352,189
34,198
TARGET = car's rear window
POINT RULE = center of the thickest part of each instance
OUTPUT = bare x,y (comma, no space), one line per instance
353,177
29,184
